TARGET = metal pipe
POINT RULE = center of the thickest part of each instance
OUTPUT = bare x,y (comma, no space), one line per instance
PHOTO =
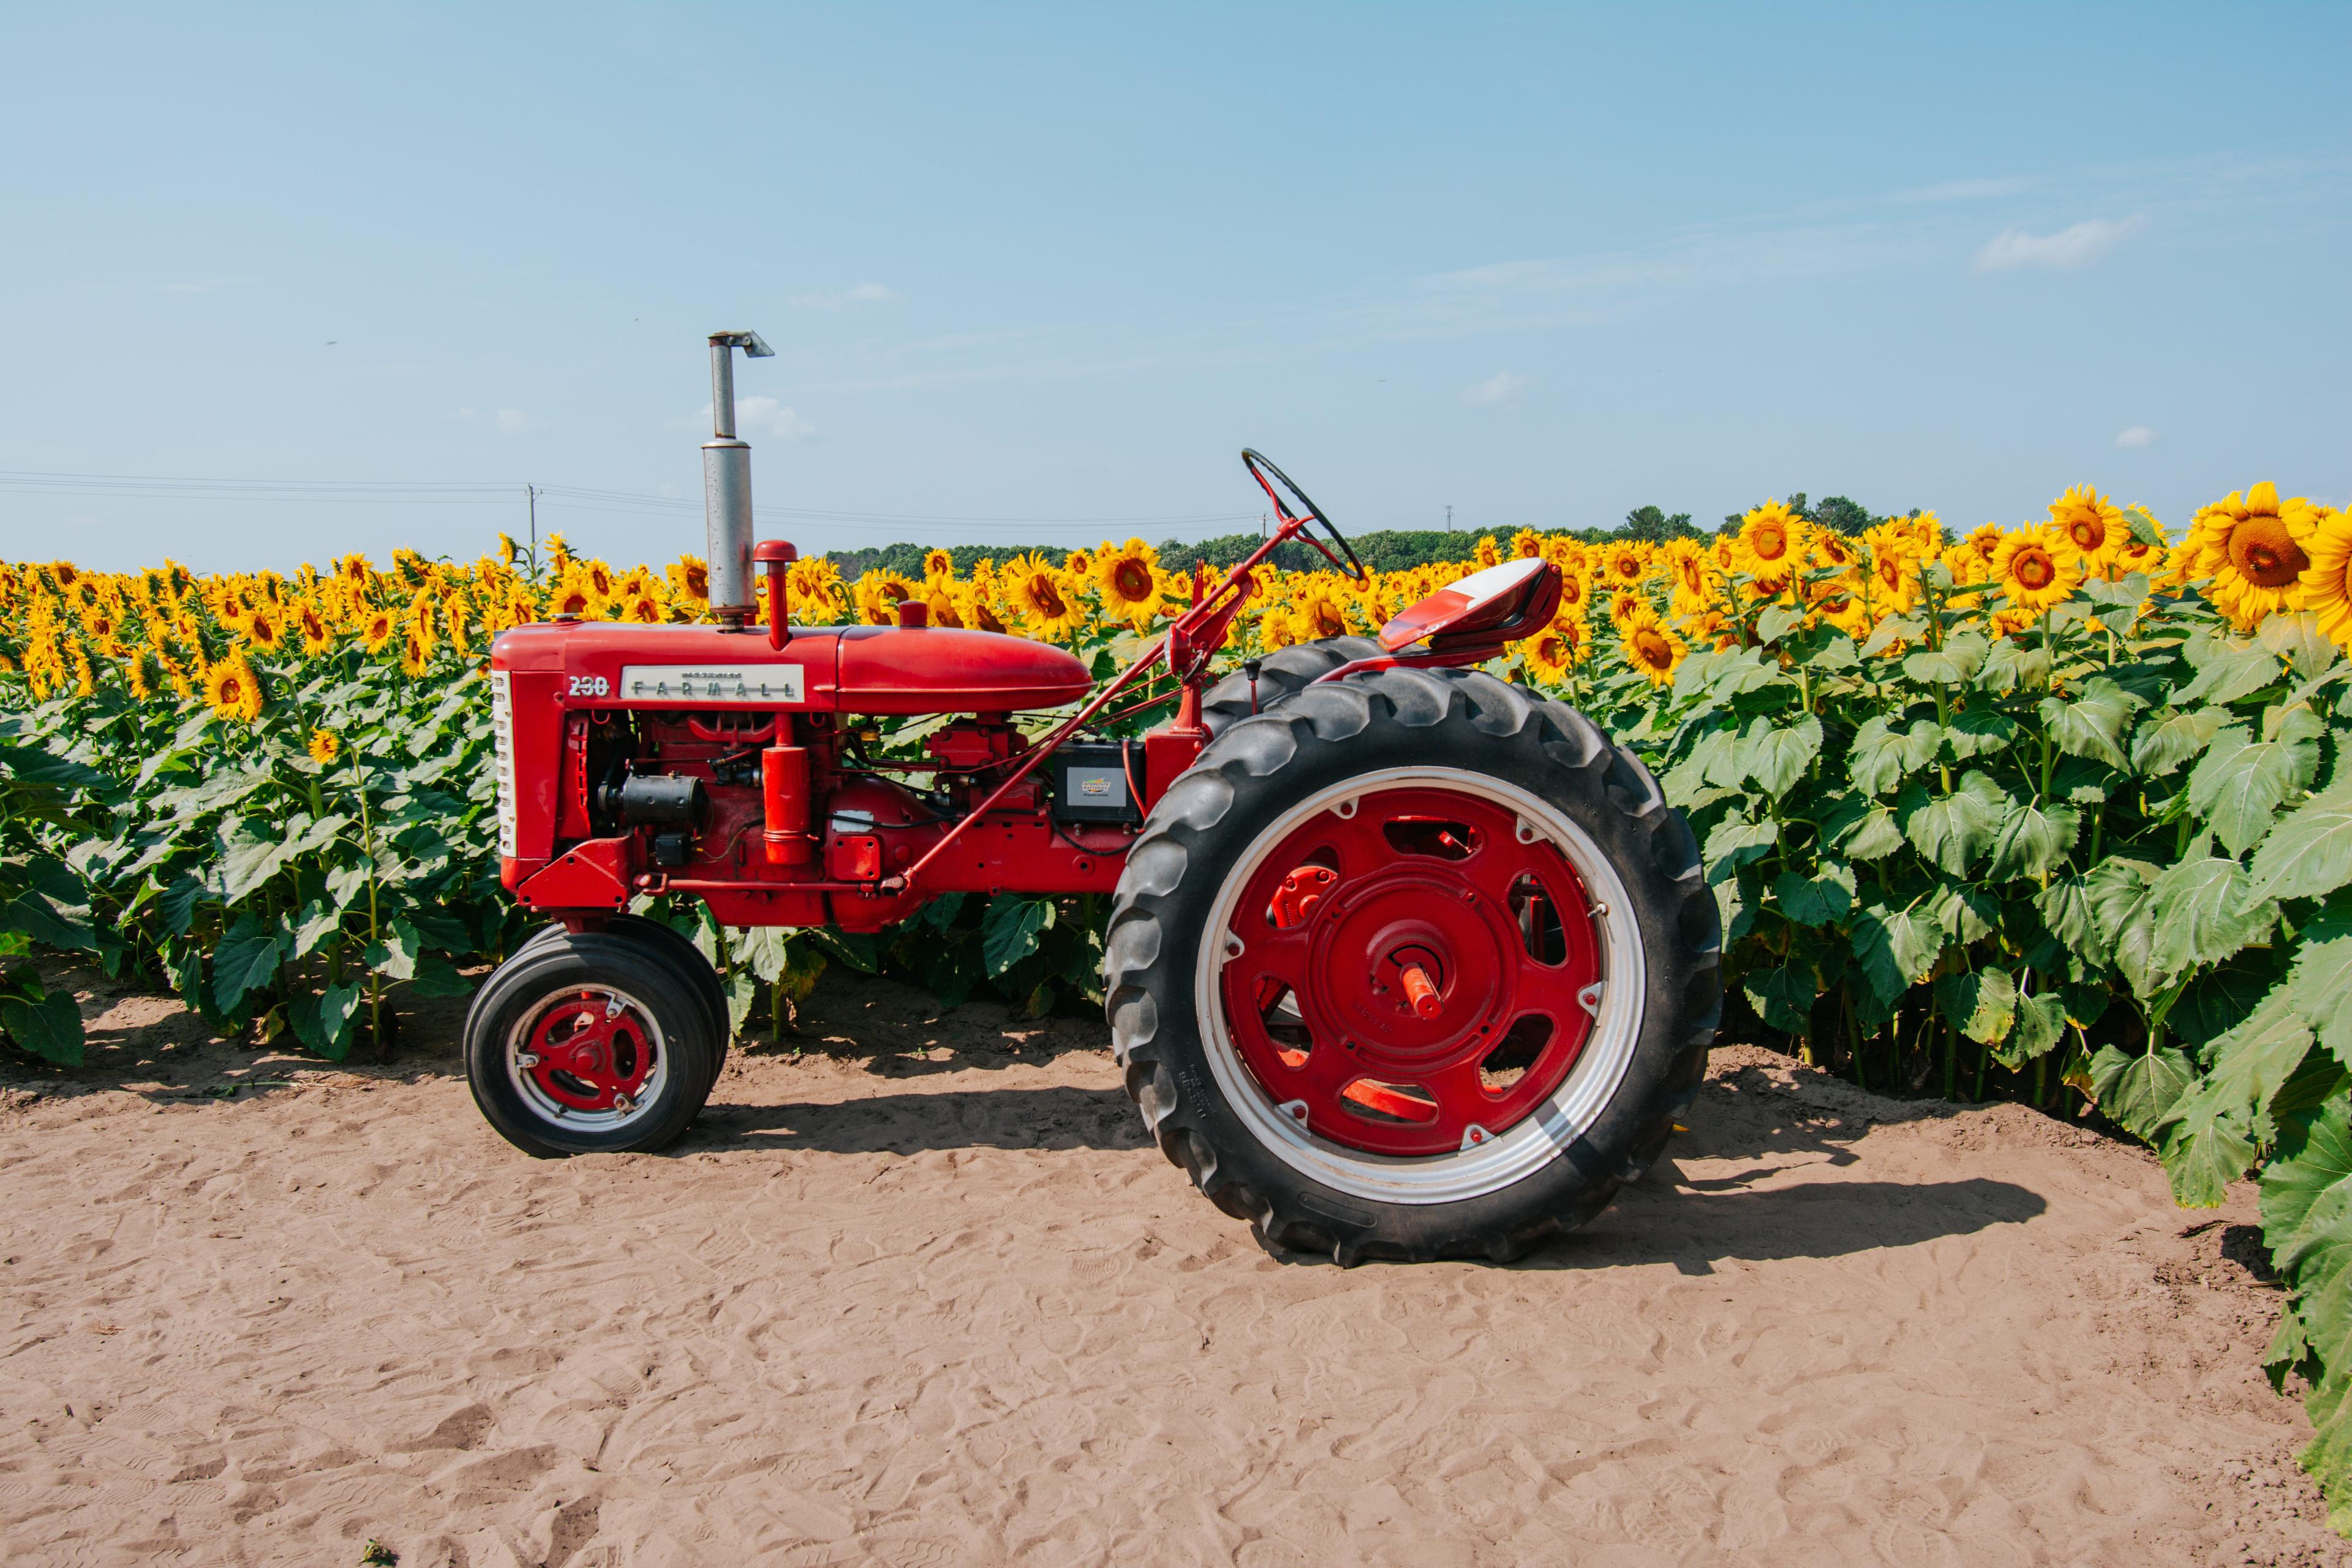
722,385
727,526
726,486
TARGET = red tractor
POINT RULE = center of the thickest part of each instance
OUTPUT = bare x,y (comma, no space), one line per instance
1404,960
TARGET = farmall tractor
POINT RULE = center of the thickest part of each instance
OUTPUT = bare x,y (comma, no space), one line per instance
1404,960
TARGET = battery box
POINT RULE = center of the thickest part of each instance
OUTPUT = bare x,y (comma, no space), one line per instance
1091,780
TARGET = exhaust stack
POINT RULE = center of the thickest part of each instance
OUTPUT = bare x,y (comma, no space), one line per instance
727,484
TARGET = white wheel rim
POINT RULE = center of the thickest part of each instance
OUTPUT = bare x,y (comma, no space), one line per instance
1504,1158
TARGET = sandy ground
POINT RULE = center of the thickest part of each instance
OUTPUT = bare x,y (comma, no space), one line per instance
923,1294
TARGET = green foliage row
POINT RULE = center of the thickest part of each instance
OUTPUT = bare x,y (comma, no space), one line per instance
1381,550
262,884
2118,843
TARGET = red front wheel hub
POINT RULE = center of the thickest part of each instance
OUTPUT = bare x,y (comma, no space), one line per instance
1415,977
590,1054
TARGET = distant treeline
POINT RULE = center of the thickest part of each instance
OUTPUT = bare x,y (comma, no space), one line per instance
1384,550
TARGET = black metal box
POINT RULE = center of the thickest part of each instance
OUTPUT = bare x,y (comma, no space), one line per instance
1096,781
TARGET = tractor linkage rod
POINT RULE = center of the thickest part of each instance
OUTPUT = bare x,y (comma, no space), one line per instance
906,880
1214,610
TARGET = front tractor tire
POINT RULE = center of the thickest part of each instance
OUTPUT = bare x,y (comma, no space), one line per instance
685,960
1414,964
589,1045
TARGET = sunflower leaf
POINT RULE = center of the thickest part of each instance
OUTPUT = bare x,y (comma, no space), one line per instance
2092,722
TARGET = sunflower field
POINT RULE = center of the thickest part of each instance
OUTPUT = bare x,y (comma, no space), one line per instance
2057,812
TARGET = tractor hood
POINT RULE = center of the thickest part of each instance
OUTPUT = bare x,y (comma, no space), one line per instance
851,669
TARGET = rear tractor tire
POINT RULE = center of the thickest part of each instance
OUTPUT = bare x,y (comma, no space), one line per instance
1281,676
589,1045
1412,964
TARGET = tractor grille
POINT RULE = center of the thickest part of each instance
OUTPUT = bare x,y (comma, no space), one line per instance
502,739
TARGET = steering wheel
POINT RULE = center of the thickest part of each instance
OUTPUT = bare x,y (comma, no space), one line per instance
1267,476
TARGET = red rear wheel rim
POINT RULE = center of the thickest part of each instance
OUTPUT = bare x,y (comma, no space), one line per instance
1415,977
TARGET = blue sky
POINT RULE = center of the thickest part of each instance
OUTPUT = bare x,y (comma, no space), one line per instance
1055,265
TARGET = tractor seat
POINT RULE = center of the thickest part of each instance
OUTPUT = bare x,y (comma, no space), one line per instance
1499,605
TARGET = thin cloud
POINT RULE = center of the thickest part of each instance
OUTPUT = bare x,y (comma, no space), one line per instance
2132,438
207,286
1965,191
503,421
1502,386
842,299
2079,246
1726,258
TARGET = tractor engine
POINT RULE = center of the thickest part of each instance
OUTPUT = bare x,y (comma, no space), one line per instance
701,760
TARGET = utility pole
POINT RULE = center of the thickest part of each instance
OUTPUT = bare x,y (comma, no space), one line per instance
532,492
1449,518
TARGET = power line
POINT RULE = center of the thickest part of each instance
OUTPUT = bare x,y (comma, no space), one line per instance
160,487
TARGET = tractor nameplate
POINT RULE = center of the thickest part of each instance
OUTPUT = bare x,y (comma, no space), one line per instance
758,685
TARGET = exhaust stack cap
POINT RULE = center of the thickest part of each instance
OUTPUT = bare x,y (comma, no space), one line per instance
727,483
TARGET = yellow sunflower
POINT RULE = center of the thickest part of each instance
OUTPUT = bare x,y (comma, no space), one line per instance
2325,586
1319,613
1893,548
325,746
231,688
423,620
1770,544
1277,628
317,635
2089,527
879,593
1834,552
689,580
2252,546
2033,570
975,613
1838,603
944,610
377,629
939,566
1552,654
1489,554
1686,569
1129,579
1624,564
814,584
519,608
1526,546
1650,647
1047,599
574,599
415,651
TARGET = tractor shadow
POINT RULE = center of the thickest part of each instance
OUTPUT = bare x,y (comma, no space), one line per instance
1769,1170
1055,1117
1724,1191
